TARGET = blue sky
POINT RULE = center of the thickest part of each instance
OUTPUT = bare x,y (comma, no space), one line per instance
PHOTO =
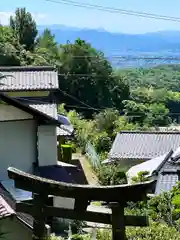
52,13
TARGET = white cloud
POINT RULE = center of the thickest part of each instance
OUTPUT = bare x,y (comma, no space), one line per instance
4,17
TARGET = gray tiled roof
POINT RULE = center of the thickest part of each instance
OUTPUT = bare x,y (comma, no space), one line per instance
64,131
5,209
167,178
29,78
25,218
51,110
143,145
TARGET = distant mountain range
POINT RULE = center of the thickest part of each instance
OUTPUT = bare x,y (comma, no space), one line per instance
157,44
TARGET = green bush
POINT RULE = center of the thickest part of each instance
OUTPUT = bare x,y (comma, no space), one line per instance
141,177
163,207
111,175
155,231
102,142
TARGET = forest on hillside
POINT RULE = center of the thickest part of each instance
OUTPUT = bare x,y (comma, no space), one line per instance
87,79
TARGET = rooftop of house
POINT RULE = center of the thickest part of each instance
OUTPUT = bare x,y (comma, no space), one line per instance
11,206
29,78
152,166
5,209
166,169
143,144
168,177
51,110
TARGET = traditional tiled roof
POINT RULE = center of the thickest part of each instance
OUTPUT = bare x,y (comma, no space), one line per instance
64,131
11,202
51,110
143,145
29,78
48,109
168,177
5,209
153,166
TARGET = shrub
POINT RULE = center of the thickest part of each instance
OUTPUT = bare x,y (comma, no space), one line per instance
102,142
141,177
111,175
155,232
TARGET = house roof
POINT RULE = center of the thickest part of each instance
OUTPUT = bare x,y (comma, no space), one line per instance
152,166
5,209
66,128
143,145
169,173
29,109
11,202
17,194
29,78
50,109
168,177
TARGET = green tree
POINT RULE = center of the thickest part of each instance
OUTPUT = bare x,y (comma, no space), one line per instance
135,111
157,115
105,120
24,27
47,50
10,49
87,75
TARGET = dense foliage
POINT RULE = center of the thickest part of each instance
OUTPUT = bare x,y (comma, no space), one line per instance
87,80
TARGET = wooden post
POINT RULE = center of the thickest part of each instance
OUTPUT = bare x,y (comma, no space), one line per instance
39,224
118,221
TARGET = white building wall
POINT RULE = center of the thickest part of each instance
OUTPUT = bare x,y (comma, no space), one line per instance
47,145
17,146
8,112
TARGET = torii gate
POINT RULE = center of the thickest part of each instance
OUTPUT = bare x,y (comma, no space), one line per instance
116,196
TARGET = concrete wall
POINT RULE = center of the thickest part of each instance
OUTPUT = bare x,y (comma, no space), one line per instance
14,229
17,146
47,145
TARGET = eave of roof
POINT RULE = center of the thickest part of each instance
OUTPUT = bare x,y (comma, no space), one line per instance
32,111
26,68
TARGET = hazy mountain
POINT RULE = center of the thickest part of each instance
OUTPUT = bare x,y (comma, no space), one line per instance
162,43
